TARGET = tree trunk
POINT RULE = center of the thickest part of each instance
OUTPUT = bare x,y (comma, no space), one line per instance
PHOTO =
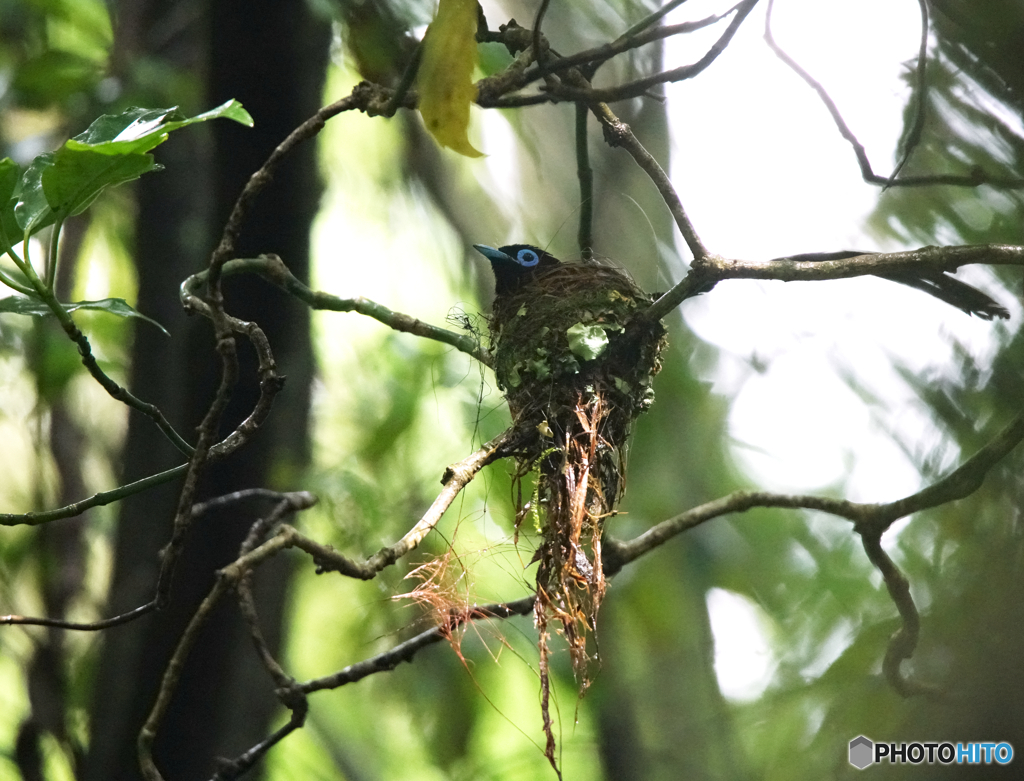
271,56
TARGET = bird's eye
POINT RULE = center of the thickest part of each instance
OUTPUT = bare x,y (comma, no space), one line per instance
527,257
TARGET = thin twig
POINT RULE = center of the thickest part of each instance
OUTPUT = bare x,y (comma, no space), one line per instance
300,500
96,500
585,173
117,392
904,641
404,652
86,626
975,178
844,130
591,59
307,130
618,133
273,269
650,19
920,93
638,87
244,762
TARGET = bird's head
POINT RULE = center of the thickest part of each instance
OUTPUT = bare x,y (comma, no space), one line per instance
515,265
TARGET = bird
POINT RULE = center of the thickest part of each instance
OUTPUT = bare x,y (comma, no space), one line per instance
516,265
575,362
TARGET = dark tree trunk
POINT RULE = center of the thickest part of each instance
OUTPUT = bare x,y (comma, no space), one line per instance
271,56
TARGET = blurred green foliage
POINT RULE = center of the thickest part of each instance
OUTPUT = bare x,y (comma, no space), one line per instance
391,412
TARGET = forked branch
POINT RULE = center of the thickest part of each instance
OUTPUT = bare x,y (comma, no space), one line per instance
975,178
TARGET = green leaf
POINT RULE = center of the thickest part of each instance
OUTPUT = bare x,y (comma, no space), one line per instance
587,341
140,129
110,152
77,176
232,109
36,307
32,211
10,174
134,130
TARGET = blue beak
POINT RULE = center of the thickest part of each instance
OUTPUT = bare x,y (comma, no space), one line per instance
492,254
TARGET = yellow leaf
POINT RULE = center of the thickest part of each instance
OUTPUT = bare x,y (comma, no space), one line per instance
446,75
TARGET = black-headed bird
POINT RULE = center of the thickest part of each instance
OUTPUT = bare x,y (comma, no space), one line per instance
516,265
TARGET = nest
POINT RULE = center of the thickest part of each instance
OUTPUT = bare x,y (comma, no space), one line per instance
576,365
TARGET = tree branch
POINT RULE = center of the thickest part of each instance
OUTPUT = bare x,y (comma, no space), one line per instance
618,133
404,652
274,270
358,99
903,643
975,178
592,58
868,518
100,499
637,88
920,91
712,269
585,174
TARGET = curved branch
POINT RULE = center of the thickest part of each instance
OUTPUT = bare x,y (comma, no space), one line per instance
869,519
358,99
592,58
115,390
975,178
231,576
274,270
903,643
920,89
618,133
638,87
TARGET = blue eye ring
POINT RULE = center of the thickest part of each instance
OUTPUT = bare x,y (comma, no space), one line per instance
527,258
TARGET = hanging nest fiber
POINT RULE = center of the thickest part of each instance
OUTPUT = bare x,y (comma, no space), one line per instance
576,365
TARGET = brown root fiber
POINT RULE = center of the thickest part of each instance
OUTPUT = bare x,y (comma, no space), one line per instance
576,365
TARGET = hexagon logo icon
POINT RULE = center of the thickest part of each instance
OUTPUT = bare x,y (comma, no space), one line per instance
861,752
